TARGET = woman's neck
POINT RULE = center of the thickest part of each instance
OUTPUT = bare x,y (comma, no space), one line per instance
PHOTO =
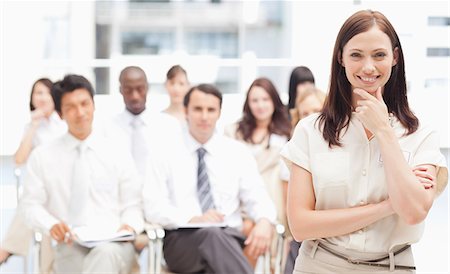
260,133
173,108
262,124
177,111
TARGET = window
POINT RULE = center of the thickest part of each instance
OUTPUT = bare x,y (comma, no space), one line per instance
151,43
436,83
222,44
438,52
438,21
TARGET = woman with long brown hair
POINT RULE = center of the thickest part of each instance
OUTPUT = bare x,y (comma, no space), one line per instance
45,125
265,128
364,172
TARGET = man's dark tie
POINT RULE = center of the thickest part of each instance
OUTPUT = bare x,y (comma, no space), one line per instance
203,188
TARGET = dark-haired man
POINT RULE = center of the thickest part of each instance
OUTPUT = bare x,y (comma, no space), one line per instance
82,180
202,182
141,128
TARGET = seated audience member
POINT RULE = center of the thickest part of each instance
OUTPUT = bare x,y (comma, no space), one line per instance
139,127
264,128
177,85
44,127
82,180
45,124
309,101
202,182
301,78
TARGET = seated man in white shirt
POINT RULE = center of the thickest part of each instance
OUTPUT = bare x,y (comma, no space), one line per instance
202,182
140,127
82,180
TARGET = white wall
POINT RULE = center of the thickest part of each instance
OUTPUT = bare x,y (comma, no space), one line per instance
314,28
23,35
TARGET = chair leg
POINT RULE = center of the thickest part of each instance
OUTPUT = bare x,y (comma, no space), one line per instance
160,234
32,262
156,235
280,230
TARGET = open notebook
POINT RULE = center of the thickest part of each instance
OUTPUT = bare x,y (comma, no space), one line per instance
90,237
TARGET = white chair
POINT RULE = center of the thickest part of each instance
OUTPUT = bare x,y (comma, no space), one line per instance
32,261
156,236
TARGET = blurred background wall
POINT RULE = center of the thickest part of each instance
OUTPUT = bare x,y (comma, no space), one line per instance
227,43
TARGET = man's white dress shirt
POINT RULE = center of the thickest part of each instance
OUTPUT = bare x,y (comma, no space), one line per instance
170,187
114,190
159,129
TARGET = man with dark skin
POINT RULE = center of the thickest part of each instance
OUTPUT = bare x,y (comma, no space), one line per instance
134,89
140,127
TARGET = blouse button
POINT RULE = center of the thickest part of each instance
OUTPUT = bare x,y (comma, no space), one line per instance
364,172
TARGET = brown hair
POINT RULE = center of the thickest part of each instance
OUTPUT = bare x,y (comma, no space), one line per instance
205,88
337,109
279,124
174,71
299,75
46,82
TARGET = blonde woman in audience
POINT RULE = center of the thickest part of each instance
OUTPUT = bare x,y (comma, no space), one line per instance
44,127
177,85
264,128
309,101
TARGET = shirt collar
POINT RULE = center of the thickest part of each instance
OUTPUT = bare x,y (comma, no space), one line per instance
129,117
92,141
211,146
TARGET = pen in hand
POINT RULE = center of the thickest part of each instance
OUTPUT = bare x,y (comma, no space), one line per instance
61,233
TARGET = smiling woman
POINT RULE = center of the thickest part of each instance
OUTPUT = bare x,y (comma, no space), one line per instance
354,199
368,59
265,128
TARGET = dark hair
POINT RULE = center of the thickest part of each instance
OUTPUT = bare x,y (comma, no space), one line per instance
337,109
174,71
46,82
298,76
279,123
70,83
131,68
205,88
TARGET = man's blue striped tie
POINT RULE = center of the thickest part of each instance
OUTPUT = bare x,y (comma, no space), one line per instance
203,187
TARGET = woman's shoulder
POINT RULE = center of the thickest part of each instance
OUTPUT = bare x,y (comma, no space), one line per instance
277,140
230,130
424,129
310,123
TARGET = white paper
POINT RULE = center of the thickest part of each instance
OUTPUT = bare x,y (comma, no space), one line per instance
91,237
